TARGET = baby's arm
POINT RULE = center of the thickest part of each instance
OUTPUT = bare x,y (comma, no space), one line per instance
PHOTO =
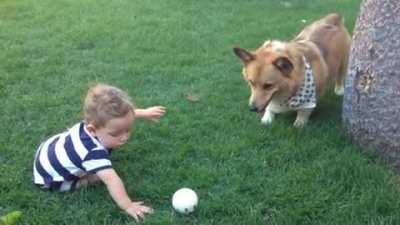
152,113
118,193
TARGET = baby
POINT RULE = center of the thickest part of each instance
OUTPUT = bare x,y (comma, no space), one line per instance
81,155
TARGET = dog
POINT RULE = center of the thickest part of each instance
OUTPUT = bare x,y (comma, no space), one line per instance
291,76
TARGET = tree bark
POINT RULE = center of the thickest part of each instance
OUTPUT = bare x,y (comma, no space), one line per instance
371,104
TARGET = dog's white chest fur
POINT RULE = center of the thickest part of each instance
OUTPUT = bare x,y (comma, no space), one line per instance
272,108
277,107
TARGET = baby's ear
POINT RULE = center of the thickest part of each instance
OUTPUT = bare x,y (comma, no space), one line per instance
91,128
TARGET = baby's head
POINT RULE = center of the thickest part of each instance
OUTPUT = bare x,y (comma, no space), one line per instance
108,114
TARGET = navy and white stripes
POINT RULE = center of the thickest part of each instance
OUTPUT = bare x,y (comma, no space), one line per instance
67,156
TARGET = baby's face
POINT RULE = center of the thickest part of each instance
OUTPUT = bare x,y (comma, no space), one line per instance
116,131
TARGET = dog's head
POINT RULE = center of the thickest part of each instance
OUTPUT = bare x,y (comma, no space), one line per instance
268,71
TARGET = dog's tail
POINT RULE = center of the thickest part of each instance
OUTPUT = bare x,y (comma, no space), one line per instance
334,19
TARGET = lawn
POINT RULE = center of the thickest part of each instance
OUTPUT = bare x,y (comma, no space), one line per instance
179,54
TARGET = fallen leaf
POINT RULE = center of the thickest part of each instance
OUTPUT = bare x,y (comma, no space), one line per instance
192,98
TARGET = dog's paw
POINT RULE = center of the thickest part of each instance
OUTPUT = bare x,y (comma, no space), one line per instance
299,123
267,118
339,90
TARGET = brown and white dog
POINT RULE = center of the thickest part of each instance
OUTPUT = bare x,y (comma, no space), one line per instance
286,76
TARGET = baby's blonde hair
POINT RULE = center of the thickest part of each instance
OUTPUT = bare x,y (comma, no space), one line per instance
104,102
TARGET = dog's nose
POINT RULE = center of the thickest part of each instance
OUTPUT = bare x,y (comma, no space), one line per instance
253,108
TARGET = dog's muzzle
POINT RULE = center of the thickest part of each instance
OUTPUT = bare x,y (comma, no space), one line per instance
253,108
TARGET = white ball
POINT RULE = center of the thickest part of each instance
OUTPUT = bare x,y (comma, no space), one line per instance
184,200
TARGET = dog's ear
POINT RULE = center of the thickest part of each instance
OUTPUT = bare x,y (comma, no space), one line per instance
284,65
244,55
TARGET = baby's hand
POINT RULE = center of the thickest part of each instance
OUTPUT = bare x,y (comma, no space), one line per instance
137,210
154,113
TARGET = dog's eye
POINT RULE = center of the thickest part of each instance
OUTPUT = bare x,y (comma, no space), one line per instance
267,86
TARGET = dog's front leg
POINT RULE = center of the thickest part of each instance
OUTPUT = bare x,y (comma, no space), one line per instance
302,117
268,116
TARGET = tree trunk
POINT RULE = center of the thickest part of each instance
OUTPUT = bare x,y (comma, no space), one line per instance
371,104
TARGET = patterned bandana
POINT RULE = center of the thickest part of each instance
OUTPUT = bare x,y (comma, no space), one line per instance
305,97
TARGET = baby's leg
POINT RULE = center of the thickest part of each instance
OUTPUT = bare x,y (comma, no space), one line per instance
58,186
88,179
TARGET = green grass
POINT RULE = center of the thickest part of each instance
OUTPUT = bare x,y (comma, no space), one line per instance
160,52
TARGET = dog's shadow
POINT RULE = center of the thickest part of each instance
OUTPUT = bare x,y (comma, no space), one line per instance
329,108
328,111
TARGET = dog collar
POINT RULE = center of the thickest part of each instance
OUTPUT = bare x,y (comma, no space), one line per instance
305,96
